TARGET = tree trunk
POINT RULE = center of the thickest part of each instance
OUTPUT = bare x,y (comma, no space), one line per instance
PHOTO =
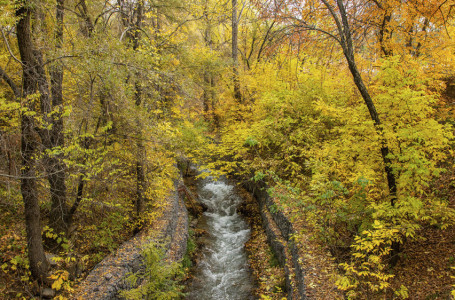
134,36
87,31
235,48
140,156
56,168
206,96
348,50
385,34
209,96
37,259
87,27
391,181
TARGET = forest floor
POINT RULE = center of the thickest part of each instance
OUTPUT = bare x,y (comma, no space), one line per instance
268,274
101,230
425,266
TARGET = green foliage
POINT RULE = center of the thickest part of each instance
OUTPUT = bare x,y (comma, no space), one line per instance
19,265
191,247
190,139
107,232
250,142
258,176
159,277
9,119
58,238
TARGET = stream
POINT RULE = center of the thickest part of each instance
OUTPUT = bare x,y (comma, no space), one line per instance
222,272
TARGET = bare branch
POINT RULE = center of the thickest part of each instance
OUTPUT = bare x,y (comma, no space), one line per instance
307,26
336,19
9,49
10,82
58,58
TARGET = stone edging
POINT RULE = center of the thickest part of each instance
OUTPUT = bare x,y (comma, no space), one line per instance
279,230
108,277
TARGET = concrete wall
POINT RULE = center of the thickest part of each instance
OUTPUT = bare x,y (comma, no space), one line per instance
278,230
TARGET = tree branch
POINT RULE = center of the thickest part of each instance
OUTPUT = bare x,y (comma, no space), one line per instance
10,82
9,49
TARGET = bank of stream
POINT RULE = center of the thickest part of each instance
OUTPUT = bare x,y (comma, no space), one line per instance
233,259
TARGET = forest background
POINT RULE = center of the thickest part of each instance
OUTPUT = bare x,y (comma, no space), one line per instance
345,109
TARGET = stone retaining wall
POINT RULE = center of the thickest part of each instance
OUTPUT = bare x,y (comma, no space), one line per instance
279,230
109,276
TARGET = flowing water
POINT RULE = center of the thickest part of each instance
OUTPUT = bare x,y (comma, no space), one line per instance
222,273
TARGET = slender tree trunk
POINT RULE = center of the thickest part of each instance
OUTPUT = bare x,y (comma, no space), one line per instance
215,116
88,27
209,95
87,31
385,34
348,50
140,154
56,167
426,23
391,181
235,48
206,101
29,137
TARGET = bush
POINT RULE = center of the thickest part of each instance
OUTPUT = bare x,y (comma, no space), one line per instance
158,279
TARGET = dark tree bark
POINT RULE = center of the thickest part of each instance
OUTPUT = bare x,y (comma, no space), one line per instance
38,263
51,105
11,83
345,40
88,26
266,38
140,156
87,31
56,168
235,49
385,34
208,96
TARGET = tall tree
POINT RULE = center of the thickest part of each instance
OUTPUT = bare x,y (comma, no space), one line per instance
56,168
132,18
208,96
235,50
340,30
346,43
29,139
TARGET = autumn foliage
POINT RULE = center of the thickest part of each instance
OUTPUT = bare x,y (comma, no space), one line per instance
343,107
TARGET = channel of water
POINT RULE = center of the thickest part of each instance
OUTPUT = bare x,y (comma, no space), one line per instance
223,272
